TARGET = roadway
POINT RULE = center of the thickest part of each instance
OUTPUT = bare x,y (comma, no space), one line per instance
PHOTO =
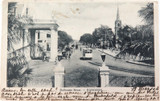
85,72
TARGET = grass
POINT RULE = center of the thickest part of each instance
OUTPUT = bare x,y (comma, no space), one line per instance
88,77
124,81
82,77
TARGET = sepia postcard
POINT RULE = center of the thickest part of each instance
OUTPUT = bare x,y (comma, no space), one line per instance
91,50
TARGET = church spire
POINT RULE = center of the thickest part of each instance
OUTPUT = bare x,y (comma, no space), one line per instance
118,25
118,13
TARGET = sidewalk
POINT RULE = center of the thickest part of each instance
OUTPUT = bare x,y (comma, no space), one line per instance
42,74
114,53
109,52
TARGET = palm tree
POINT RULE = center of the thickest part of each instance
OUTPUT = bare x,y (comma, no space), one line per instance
18,71
143,46
17,65
147,14
147,31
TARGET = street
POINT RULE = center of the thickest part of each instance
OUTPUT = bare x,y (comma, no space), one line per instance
48,43
84,73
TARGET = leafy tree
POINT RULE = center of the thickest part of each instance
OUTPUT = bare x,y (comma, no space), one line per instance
103,33
86,38
63,39
125,35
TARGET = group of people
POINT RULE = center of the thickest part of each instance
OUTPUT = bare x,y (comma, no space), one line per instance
69,50
66,53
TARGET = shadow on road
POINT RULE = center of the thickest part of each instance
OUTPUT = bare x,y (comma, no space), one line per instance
81,58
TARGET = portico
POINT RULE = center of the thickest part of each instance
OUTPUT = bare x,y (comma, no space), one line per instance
30,31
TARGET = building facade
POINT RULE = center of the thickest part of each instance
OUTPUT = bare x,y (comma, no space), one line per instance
37,36
43,38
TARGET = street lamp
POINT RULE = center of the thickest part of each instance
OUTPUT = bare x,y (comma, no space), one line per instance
103,57
104,72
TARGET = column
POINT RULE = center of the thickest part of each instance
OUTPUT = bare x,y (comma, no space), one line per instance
54,44
32,36
36,37
59,75
35,48
26,42
26,32
104,75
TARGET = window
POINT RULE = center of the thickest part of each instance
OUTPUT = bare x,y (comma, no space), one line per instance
38,35
48,35
118,24
39,41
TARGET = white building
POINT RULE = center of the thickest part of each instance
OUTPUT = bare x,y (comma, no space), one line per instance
43,38
40,32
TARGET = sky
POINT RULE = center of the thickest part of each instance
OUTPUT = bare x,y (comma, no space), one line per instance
79,18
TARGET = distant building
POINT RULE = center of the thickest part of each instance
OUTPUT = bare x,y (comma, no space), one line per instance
43,38
118,25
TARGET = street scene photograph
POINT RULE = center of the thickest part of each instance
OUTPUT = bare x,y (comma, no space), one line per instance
80,44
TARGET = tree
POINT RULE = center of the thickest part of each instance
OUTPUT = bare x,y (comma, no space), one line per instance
125,35
15,26
63,39
86,38
17,66
142,37
105,34
147,14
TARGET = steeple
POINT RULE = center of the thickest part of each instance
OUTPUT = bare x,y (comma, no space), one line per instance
27,11
118,13
118,25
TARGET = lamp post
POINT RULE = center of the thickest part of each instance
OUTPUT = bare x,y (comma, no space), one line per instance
103,57
104,72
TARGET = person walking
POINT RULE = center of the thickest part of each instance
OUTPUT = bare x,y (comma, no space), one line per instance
67,52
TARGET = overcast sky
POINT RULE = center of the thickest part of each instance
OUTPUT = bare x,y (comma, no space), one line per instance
79,18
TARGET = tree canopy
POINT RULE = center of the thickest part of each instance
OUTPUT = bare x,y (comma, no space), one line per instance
141,37
63,39
103,32
86,38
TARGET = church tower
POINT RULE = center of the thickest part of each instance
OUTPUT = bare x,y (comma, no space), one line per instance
118,24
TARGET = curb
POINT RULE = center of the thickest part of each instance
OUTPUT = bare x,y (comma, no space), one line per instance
107,54
139,63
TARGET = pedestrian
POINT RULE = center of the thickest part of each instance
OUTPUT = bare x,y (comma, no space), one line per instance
69,55
76,46
44,55
67,52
